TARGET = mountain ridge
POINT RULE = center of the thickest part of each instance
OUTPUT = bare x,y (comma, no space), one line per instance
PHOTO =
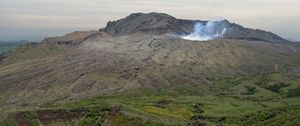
161,23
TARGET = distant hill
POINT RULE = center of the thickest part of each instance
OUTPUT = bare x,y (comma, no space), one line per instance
6,46
14,42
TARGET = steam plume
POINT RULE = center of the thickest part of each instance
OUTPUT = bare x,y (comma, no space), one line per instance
207,31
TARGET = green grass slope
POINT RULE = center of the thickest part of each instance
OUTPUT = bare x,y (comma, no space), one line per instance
233,104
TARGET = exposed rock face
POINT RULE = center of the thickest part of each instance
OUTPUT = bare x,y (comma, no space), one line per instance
235,31
153,23
159,23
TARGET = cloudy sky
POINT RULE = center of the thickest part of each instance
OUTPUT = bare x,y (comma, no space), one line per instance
35,19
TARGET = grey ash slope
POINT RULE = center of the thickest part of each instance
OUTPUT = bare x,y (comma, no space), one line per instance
126,58
126,64
159,23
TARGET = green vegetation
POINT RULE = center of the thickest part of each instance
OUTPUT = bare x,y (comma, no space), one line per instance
250,90
95,116
294,92
8,122
179,110
264,100
274,115
32,119
182,110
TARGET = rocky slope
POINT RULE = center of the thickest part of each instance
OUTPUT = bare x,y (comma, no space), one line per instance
136,54
109,66
159,23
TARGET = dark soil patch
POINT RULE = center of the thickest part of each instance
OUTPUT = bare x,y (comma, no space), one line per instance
22,119
46,117
49,116
162,103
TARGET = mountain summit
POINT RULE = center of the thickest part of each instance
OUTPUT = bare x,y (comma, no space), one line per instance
160,23
153,23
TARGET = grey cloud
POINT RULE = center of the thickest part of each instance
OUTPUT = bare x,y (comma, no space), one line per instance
42,16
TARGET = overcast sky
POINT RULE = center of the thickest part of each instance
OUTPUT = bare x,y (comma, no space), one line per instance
35,19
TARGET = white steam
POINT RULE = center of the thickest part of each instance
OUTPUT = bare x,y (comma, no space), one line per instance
207,31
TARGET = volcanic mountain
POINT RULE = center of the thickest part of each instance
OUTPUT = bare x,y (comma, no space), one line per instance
138,52
158,24
145,54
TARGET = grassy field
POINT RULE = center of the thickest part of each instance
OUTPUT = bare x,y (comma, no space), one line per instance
182,110
271,99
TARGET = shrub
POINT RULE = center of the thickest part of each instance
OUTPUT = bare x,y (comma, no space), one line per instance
294,92
276,87
250,90
95,116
